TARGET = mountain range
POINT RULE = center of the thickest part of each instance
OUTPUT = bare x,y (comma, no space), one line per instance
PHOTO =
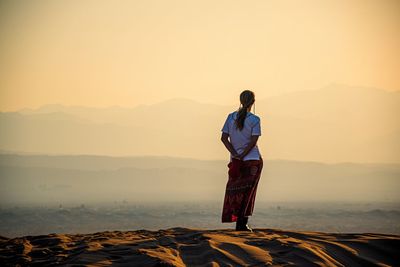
337,123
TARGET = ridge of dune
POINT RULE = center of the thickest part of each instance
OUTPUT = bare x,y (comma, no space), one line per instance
200,247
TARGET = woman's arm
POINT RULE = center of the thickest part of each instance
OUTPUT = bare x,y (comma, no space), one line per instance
253,142
228,145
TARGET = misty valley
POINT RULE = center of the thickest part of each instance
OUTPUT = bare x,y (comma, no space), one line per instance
42,193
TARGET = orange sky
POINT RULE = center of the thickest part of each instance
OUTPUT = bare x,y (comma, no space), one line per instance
103,53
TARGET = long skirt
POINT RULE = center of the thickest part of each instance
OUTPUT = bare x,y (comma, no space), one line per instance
240,193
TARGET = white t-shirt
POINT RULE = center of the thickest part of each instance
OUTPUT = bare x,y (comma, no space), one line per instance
241,138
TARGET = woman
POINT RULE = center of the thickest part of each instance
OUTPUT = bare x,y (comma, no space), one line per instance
243,129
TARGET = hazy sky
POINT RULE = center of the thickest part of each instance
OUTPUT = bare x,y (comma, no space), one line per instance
103,53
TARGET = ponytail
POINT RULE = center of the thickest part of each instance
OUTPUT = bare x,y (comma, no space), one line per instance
246,99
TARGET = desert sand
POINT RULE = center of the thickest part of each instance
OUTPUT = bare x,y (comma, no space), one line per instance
199,247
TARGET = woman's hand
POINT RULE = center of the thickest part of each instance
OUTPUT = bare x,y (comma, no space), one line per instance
238,156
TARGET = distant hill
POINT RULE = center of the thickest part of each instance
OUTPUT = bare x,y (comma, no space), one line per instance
336,123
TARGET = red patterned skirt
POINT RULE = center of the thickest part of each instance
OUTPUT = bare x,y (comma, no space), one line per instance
241,188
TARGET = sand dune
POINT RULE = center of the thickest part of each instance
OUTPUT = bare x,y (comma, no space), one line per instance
199,247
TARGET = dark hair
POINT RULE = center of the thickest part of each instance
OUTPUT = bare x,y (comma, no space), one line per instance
247,98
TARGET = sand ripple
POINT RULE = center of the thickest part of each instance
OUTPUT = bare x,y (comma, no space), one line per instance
198,247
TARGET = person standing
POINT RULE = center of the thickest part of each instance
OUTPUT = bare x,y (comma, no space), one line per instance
240,134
